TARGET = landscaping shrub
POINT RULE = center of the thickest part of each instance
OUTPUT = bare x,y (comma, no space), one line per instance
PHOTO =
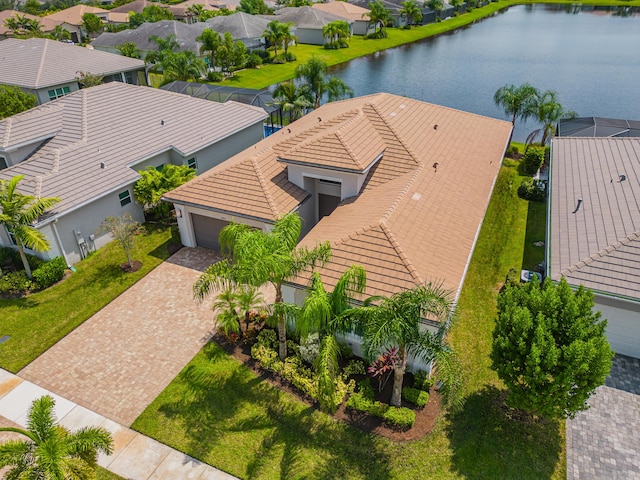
421,380
310,348
402,418
49,273
264,354
354,367
15,282
279,60
363,400
332,45
532,159
268,338
253,60
290,57
530,190
418,397
214,76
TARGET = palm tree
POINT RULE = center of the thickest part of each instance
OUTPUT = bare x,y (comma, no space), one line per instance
287,36
435,5
330,31
211,41
324,313
546,108
183,66
248,299
516,101
51,451
343,32
225,306
313,73
378,15
274,34
18,213
258,257
411,9
60,34
291,99
397,322
20,25
165,45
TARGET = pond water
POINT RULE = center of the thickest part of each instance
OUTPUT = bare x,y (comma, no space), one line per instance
591,58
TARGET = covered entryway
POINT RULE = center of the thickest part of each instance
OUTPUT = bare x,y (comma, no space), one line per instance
207,230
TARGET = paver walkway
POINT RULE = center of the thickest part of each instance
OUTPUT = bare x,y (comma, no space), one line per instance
604,441
118,361
135,456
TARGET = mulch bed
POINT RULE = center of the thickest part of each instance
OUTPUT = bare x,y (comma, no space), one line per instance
425,417
134,267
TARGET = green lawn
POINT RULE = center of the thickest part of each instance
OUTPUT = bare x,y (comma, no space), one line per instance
218,411
102,474
270,74
38,321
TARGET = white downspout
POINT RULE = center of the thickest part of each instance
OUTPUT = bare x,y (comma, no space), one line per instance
59,242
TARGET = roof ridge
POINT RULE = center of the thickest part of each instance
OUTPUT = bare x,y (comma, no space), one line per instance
263,184
38,189
7,132
395,134
403,256
389,211
84,115
56,161
633,236
41,66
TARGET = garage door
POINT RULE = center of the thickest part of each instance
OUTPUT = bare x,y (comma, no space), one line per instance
623,329
206,230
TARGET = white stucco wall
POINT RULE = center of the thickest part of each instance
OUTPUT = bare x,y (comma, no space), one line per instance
623,324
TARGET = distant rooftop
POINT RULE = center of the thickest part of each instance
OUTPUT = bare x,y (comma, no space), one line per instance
598,127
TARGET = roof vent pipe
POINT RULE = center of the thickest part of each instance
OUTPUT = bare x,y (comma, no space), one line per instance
623,177
578,205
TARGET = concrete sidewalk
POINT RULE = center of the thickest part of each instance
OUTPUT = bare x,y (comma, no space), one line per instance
135,456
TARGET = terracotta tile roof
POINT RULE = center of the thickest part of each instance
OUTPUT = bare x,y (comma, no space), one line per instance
598,244
344,9
351,145
47,25
73,15
412,222
94,126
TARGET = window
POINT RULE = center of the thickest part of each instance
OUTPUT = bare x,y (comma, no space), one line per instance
191,163
128,78
125,198
58,92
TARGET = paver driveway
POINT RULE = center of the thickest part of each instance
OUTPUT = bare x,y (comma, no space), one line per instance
119,360
604,441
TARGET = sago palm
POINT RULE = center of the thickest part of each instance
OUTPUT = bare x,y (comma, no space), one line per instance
18,213
257,257
50,451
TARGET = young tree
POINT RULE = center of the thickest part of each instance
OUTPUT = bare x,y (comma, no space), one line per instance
412,10
92,24
210,42
257,257
150,14
253,7
32,7
396,322
129,49
313,75
549,347
516,101
50,450
18,212
13,100
379,15
153,184
124,229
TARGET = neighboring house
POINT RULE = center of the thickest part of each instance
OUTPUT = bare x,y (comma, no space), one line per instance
71,18
358,15
88,147
137,6
598,127
242,26
396,19
396,185
183,11
593,228
308,22
46,24
49,69
141,37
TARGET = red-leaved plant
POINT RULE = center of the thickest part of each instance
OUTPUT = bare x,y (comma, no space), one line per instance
383,366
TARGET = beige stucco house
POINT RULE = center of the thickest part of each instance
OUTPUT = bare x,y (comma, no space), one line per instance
87,148
396,185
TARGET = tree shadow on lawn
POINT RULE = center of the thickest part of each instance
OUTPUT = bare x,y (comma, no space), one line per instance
222,406
488,443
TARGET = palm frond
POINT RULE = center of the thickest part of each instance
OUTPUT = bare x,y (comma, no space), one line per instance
218,275
449,371
315,313
41,418
326,367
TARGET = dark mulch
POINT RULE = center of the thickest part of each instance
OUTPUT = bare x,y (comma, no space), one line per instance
134,267
425,418
173,248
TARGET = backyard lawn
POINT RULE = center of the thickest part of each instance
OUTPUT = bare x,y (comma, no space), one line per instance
38,321
218,411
